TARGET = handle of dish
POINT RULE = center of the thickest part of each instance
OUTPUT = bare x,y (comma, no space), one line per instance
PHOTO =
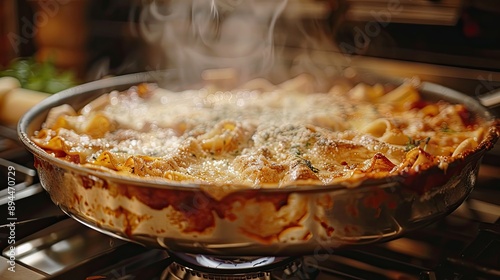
490,99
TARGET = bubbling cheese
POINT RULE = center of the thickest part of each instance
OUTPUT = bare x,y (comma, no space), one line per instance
264,139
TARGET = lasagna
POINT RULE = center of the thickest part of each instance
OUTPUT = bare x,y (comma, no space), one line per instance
263,135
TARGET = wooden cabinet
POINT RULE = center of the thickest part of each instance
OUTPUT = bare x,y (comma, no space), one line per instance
8,30
61,32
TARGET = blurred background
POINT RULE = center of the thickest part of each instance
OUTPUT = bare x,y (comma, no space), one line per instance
80,35
50,45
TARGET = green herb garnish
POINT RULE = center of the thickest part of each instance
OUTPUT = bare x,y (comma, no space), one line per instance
310,166
413,143
39,76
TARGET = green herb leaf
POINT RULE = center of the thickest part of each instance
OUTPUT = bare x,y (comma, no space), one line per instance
43,76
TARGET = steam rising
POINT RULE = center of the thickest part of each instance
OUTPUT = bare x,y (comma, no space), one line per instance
247,36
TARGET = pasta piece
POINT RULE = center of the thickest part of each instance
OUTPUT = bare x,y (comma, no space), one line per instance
364,92
479,134
258,169
423,161
333,123
466,145
380,163
96,104
401,97
95,125
449,119
429,110
259,84
394,136
178,176
301,83
377,128
98,126
226,136
340,89
301,170
109,160
384,130
56,112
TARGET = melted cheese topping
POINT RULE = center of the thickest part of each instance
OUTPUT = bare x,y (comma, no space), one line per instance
256,138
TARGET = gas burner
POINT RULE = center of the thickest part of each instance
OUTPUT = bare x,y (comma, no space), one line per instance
236,263
187,266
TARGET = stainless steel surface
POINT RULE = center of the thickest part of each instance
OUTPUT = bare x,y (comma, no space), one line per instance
21,273
61,246
22,189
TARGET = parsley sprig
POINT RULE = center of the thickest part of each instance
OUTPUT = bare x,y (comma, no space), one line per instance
39,76
413,143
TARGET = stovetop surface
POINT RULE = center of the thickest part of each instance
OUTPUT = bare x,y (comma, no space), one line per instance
464,245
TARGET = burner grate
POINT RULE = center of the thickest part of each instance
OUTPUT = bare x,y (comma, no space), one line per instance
455,248
198,267
479,260
15,169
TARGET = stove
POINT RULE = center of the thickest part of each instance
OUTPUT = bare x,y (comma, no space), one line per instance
50,245
464,245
